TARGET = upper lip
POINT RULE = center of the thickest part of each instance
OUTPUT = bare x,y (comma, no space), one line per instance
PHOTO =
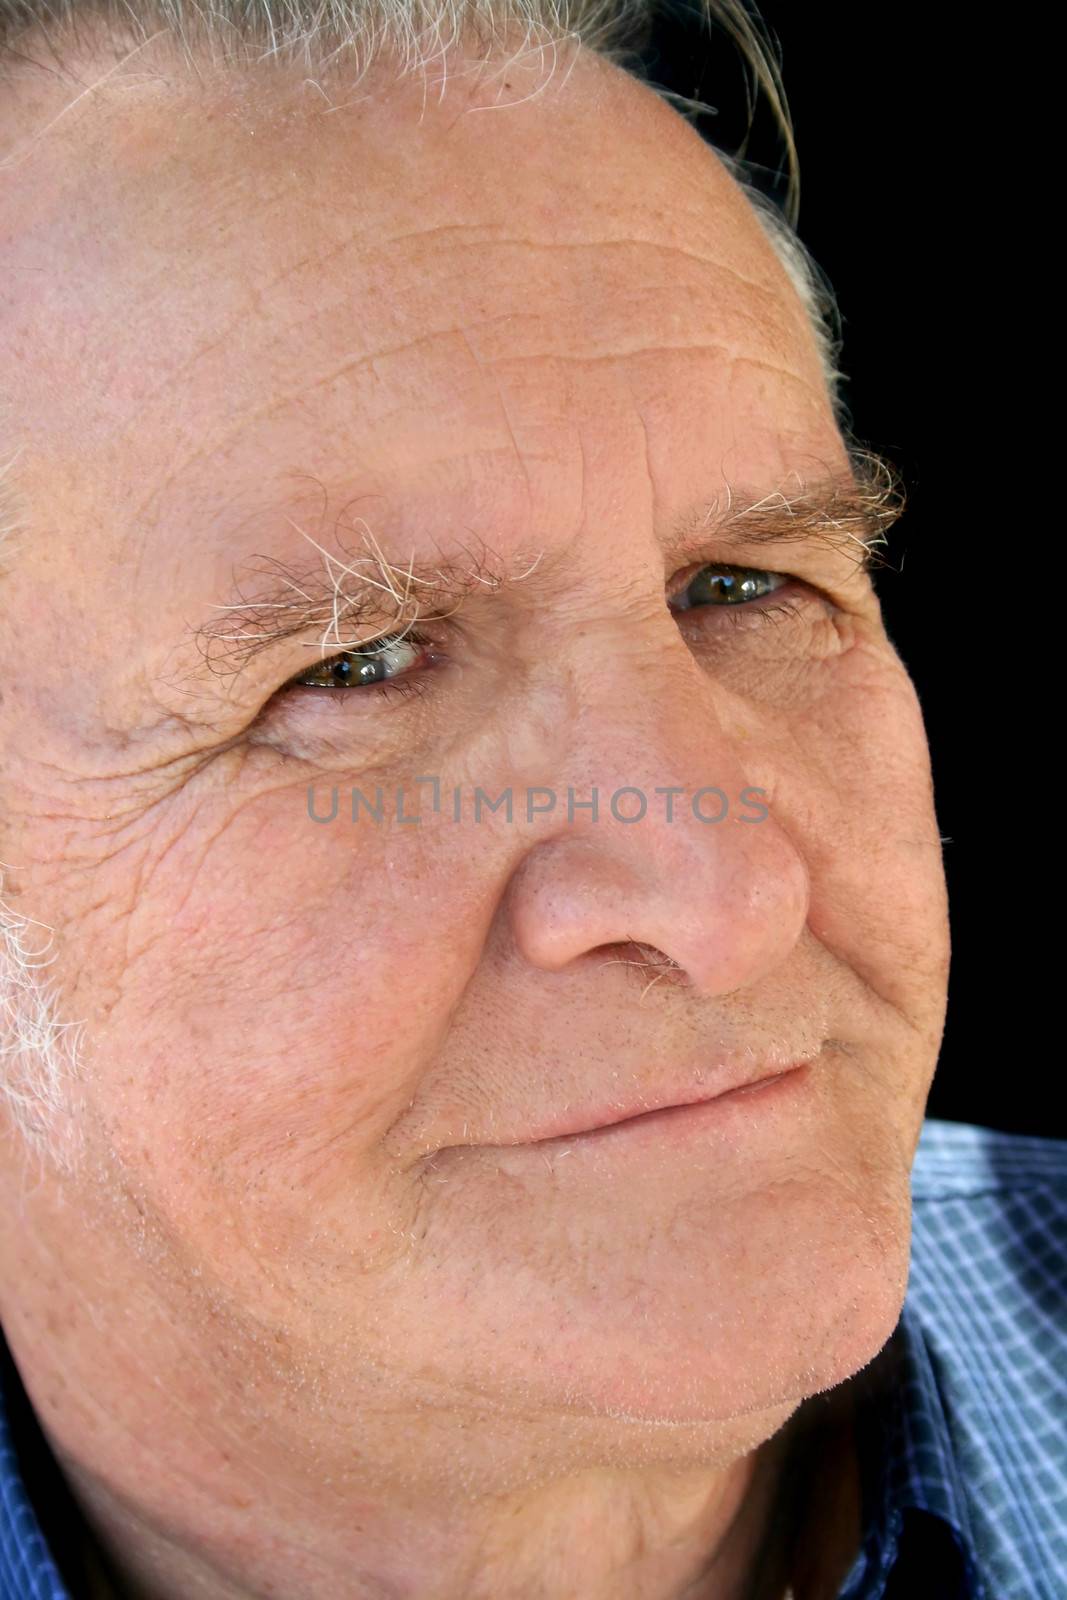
606,1116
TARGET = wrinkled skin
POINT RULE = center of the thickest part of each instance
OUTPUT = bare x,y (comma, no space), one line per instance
314,1316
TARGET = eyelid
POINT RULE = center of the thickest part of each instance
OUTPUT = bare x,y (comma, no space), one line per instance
818,564
850,591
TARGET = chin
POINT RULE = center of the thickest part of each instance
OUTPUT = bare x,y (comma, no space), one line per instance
713,1334
680,1308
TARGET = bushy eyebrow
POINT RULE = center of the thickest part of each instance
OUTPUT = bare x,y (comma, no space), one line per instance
350,598
851,512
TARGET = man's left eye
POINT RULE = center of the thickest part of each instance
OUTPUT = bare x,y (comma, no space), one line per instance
727,586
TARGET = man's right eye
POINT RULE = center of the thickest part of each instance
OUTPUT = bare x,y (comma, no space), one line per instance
373,666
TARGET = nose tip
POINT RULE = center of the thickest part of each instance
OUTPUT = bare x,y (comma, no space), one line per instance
725,907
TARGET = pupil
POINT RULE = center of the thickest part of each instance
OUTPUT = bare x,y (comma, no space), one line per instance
716,585
727,586
347,671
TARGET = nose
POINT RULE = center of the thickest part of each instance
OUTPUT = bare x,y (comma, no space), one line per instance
726,899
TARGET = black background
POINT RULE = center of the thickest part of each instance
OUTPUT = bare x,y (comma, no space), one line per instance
904,205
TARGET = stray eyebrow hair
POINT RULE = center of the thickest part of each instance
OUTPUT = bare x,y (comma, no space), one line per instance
354,599
351,599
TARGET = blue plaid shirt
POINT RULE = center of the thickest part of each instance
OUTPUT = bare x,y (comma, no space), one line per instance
962,1422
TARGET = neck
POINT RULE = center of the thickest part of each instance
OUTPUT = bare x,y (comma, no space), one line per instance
787,1514
668,1559
795,1528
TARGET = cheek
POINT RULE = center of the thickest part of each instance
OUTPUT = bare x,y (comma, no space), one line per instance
855,790
286,988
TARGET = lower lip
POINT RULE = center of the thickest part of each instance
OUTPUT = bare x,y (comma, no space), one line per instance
729,1113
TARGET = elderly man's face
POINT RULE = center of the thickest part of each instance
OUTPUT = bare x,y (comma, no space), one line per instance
323,1059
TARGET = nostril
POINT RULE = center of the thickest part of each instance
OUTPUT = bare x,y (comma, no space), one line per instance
646,961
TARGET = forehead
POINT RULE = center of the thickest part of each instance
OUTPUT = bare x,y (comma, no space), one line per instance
220,304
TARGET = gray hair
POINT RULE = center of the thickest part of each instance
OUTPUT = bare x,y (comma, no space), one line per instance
38,1053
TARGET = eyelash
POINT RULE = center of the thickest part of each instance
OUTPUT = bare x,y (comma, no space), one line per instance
400,685
411,683
404,684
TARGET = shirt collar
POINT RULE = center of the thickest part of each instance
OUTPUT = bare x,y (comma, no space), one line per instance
27,1564
913,1494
